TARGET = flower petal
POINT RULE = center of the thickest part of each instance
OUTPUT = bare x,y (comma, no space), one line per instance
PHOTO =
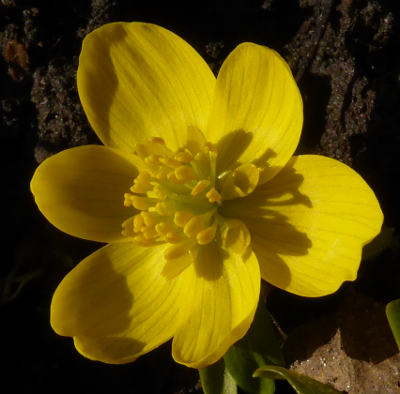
257,114
222,292
138,80
309,223
81,191
117,304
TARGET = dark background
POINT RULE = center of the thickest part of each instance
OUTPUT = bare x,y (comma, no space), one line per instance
345,57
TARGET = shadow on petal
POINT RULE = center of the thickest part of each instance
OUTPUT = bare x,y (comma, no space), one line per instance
272,235
174,267
97,82
267,171
208,261
93,300
230,147
110,349
116,303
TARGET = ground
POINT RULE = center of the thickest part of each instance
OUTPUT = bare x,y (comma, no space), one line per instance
345,57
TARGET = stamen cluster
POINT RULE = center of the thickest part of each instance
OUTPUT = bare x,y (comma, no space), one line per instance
176,197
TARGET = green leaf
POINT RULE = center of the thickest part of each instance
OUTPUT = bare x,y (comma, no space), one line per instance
393,316
216,379
259,347
302,384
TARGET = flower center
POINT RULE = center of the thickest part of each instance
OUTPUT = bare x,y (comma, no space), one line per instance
178,195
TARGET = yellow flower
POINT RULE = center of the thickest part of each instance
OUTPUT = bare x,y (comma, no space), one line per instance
199,174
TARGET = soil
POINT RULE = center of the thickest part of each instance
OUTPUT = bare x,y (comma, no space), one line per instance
345,56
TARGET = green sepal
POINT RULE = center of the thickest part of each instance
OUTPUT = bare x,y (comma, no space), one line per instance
216,379
393,316
302,384
259,347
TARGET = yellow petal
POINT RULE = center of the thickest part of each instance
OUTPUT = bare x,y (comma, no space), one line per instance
257,113
309,223
138,80
222,292
81,191
117,304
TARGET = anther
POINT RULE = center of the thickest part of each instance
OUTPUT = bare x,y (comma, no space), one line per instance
185,173
206,236
235,236
171,177
141,184
199,187
164,228
169,162
148,218
141,240
127,200
194,226
157,140
143,177
162,208
157,192
173,237
213,196
150,232
182,217
128,227
152,160
240,182
141,203
175,251
154,146
184,156
139,189
162,174
138,222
